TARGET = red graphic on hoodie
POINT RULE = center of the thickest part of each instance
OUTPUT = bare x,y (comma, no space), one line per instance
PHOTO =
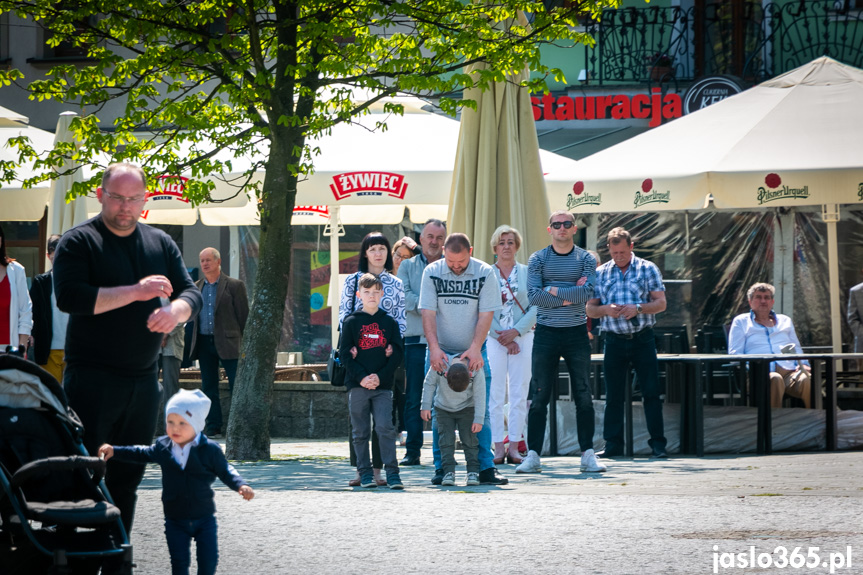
371,336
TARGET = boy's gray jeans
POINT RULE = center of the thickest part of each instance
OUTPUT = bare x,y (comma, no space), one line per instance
447,422
363,403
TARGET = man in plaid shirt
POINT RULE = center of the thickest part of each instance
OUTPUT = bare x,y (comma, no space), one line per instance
628,294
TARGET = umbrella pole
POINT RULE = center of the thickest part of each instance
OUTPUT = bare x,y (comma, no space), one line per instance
830,214
334,229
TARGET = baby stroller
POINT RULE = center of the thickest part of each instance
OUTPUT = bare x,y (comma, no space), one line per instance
55,514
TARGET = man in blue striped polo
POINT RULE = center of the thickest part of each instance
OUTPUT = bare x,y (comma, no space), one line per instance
629,293
559,283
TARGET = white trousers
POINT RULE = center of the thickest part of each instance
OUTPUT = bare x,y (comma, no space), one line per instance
510,372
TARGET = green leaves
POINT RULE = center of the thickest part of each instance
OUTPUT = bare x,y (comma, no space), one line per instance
203,81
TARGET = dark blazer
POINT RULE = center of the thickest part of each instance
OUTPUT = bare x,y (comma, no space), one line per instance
186,493
231,313
43,317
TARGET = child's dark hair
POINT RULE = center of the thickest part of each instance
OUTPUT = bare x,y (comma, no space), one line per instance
458,376
369,281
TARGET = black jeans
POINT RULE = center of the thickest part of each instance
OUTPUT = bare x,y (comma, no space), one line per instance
415,373
209,360
549,345
120,410
621,355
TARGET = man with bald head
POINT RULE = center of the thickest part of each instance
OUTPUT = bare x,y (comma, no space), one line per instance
218,331
124,285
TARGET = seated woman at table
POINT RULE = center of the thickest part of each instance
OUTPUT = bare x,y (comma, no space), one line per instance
763,331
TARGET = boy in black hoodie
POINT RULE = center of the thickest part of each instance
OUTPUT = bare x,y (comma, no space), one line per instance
369,380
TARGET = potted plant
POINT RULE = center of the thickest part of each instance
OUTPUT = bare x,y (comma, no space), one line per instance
660,66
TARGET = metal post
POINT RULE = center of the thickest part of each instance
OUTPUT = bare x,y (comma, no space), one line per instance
334,229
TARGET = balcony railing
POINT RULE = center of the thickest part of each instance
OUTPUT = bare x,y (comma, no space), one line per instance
748,40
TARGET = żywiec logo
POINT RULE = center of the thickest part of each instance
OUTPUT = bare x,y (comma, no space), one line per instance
322,211
575,199
648,195
776,191
369,184
167,188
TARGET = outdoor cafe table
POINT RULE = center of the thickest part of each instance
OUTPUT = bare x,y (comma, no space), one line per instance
686,371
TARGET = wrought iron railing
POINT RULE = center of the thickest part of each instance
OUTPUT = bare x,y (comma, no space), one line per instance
744,39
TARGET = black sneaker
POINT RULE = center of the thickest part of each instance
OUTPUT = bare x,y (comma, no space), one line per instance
438,477
492,476
395,482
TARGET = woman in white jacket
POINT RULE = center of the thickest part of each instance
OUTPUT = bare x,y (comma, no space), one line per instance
16,315
509,345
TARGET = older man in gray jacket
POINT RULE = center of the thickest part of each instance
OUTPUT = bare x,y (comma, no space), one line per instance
411,274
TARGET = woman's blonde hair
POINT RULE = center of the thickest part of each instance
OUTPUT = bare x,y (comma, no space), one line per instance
505,229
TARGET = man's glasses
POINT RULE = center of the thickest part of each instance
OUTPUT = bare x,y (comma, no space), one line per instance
566,225
122,199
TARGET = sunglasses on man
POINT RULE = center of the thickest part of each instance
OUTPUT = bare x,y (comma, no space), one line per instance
566,225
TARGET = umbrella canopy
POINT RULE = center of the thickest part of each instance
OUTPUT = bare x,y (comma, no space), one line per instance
791,141
498,176
64,215
16,202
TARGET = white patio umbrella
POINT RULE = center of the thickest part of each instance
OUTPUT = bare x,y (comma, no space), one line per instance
791,141
16,202
63,215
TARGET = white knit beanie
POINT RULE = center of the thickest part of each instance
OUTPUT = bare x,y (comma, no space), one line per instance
191,405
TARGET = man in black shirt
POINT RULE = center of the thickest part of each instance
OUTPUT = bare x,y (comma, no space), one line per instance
124,284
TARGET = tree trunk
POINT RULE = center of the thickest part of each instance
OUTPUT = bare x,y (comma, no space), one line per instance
249,422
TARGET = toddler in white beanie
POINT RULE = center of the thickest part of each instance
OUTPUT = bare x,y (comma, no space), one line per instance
190,464
191,405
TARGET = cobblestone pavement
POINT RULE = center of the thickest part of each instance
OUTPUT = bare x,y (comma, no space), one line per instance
682,515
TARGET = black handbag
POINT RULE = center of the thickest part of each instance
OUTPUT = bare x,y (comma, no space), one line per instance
335,368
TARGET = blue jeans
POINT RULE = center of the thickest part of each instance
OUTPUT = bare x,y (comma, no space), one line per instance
208,359
486,458
549,345
415,359
621,355
180,532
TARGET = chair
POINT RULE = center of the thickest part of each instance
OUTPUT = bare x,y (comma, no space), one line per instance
724,382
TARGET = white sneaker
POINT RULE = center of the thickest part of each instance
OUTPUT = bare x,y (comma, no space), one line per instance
530,464
448,479
590,463
472,478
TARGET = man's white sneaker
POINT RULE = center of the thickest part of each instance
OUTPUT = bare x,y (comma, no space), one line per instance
530,464
448,479
590,463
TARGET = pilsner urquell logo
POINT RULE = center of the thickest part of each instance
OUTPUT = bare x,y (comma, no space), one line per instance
776,191
648,195
369,184
575,199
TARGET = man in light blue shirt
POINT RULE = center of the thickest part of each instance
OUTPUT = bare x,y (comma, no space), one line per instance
763,331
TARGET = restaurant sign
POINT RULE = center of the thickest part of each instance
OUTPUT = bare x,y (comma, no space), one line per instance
322,211
773,190
656,106
709,90
167,189
578,198
647,195
368,184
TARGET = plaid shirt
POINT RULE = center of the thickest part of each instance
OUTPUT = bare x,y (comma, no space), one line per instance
633,287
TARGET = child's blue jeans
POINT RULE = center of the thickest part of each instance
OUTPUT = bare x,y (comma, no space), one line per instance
180,532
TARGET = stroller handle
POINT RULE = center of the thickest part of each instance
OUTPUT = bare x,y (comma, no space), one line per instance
43,467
